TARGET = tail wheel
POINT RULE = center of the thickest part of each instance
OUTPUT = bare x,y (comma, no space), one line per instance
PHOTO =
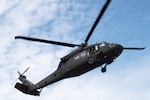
103,70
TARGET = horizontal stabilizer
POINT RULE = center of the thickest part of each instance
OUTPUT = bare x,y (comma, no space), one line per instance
23,88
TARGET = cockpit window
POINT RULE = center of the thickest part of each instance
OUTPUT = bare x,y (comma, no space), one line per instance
111,45
103,44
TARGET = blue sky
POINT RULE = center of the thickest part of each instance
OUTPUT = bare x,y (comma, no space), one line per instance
126,22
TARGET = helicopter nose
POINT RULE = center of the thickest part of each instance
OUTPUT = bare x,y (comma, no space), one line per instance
117,50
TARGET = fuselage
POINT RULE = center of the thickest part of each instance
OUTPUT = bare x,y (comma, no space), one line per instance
83,60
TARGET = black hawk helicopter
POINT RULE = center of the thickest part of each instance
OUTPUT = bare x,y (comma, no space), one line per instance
81,60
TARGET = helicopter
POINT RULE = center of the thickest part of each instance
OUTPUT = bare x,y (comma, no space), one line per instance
81,60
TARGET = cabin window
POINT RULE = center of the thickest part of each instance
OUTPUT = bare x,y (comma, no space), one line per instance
88,53
96,47
83,53
92,49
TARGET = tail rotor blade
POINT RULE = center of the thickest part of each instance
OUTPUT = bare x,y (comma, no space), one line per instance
131,48
19,73
14,81
25,70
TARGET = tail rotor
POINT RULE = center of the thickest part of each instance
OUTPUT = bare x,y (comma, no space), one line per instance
21,74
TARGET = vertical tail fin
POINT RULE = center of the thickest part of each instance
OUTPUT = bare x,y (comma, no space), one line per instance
26,86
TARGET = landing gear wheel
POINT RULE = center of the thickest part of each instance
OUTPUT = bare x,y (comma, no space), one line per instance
103,70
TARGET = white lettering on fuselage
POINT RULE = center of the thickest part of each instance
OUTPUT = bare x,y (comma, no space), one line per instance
76,57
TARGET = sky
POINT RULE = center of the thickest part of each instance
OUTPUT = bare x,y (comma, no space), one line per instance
126,22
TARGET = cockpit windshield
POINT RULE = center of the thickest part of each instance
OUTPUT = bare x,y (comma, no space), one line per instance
103,44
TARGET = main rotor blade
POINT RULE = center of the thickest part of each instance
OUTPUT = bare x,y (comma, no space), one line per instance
133,48
97,20
46,41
